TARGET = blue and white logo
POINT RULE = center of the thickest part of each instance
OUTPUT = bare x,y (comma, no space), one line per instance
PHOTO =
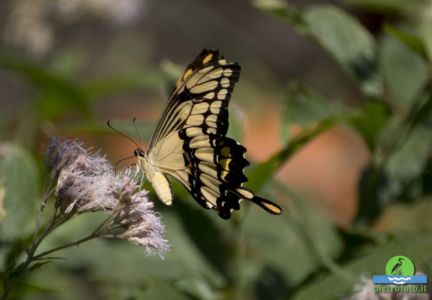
399,270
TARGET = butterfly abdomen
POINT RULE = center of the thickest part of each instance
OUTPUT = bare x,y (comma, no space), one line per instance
157,179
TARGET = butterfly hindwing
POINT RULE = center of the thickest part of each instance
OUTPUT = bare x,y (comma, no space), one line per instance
216,175
189,142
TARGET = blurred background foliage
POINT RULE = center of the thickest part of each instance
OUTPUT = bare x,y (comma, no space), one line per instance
334,105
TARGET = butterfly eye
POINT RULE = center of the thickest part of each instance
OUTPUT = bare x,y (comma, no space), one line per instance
139,152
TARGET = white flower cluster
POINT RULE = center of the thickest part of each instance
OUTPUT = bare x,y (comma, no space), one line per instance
86,182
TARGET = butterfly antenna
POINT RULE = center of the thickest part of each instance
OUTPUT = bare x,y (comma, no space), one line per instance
136,130
121,160
121,133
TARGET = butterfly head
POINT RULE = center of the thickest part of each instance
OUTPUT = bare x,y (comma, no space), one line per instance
139,152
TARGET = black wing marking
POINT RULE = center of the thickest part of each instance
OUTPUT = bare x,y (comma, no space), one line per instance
216,174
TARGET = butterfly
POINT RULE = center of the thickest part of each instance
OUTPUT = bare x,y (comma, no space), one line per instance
189,142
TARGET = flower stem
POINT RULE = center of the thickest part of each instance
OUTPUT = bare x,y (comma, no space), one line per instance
95,234
75,243
36,241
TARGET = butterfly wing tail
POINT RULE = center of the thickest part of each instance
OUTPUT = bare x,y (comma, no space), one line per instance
267,205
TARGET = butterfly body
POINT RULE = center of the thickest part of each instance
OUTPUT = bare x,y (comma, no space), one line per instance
156,178
189,142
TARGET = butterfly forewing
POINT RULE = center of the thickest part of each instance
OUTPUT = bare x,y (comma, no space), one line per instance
189,142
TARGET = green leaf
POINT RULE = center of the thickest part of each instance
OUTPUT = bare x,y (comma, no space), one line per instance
348,42
283,10
159,289
290,247
198,223
395,169
53,281
405,73
304,107
340,34
19,175
425,30
369,121
402,166
38,265
67,62
410,40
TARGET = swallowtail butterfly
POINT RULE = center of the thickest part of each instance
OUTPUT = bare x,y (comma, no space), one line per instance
190,145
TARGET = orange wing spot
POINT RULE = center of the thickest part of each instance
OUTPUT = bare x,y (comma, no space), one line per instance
224,174
187,73
225,163
184,77
207,58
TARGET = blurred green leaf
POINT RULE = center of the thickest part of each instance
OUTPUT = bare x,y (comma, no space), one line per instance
425,29
394,168
96,89
340,34
197,224
405,73
283,10
292,245
159,289
410,40
402,166
67,62
19,175
58,94
348,42
303,107
37,266
53,282
369,121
